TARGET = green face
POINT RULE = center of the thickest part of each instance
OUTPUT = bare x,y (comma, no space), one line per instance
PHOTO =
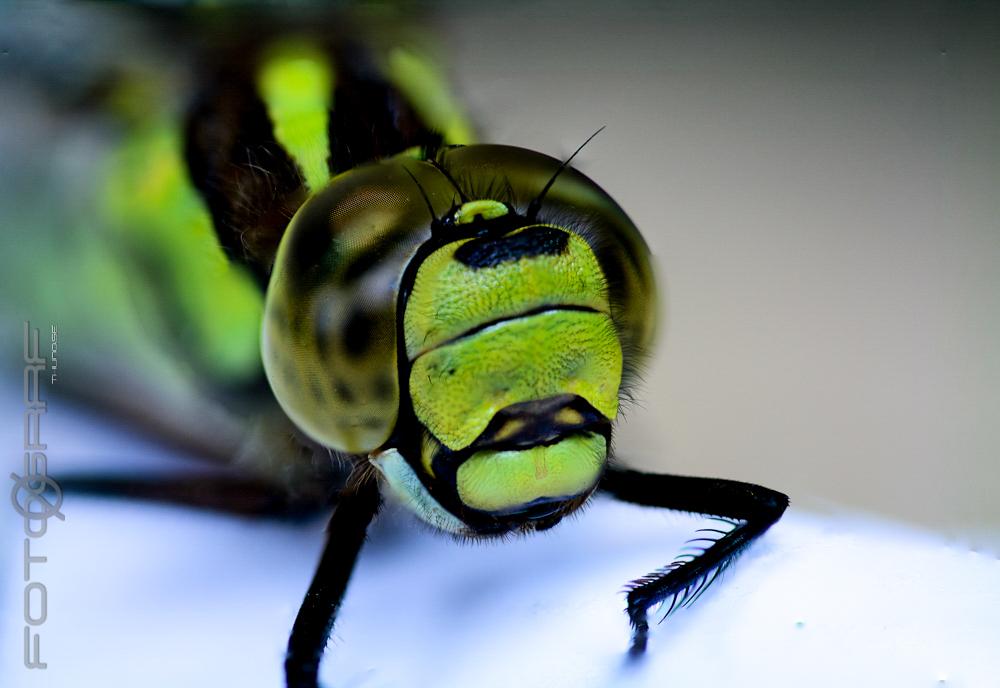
505,335
506,331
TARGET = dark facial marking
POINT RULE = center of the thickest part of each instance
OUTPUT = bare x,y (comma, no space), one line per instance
490,252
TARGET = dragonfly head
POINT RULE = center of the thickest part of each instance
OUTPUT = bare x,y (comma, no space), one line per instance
467,339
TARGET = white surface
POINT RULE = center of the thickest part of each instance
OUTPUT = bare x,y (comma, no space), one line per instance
147,595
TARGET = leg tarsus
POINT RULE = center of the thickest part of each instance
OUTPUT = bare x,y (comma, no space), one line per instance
640,631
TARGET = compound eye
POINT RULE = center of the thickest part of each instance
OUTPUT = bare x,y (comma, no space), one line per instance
329,336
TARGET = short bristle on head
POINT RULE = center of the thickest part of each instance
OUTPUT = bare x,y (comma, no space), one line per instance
435,221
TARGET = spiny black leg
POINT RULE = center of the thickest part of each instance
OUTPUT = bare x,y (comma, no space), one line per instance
752,508
223,492
356,508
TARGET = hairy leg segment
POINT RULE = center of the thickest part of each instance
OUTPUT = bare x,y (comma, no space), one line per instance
744,510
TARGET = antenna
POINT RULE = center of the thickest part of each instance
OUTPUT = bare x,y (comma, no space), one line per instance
435,222
536,204
440,168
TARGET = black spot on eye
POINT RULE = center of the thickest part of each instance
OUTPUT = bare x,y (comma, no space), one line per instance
534,241
359,330
383,388
364,262
312,252
344,392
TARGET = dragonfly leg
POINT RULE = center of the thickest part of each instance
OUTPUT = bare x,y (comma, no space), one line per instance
356,508
744,512
239,495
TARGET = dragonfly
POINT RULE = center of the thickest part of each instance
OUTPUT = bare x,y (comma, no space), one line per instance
299,240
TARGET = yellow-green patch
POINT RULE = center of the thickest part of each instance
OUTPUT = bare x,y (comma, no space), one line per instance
164,230
484,209
502,480
426,88
450,298
295,81
458,388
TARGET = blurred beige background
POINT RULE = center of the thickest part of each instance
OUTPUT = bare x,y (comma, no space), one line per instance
820,190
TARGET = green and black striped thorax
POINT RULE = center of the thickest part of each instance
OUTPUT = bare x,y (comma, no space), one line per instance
461,315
